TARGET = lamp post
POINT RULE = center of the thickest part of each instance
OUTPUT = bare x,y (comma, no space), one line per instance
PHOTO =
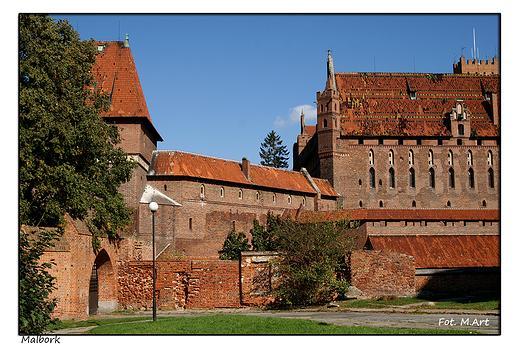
153,208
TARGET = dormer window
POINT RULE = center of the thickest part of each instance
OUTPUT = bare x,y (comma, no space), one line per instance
413,95
459,112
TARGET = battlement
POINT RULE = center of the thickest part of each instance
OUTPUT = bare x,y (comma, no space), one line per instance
478,67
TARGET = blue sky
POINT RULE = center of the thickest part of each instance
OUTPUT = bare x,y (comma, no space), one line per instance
217,84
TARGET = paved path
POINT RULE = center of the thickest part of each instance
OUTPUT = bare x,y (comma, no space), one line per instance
397,317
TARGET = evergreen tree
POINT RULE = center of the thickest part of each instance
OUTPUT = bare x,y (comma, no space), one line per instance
68,159
273,153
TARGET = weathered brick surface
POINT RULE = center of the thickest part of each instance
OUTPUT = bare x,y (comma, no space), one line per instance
258,277
349,168
379,272
179,284
73,270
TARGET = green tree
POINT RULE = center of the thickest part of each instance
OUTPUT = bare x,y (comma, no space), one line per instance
273,153
264,238
69,162
68,159
36,284
233,245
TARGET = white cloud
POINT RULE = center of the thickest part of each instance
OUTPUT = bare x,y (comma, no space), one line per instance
293,116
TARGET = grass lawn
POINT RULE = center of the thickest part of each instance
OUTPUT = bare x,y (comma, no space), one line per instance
229,324
483,302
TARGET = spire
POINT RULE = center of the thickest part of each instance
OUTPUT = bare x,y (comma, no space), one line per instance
302,123
331,78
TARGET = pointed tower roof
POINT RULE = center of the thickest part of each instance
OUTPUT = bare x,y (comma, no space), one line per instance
115,73
331,78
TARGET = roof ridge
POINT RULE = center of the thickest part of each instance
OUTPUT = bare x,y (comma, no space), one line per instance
224,159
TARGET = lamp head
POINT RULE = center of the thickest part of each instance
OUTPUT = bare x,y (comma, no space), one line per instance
153,206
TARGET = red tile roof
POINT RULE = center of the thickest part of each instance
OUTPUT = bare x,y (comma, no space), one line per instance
444,251
379,104
183,164
116,74
407,214
310,130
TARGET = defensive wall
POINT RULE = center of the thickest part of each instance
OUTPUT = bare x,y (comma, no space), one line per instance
118,276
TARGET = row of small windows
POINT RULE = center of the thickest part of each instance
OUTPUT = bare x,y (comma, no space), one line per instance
414,204
241,195
431,178
411,160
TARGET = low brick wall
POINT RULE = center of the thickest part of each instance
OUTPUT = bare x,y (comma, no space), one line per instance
258,277
381,272
179,284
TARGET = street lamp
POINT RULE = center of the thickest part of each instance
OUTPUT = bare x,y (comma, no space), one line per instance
153,208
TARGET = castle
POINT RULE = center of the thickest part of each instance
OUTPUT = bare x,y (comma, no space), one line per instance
414,157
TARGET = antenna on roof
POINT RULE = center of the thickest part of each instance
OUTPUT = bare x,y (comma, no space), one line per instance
119,32
474,45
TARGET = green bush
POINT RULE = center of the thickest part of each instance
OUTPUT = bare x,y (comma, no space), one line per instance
234,244
313,267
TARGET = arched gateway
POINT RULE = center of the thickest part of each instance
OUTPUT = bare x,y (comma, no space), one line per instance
102,286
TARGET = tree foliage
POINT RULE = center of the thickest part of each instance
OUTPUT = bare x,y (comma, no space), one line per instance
273,153
68,159
264,238
36,284
69,162
234,244
313,265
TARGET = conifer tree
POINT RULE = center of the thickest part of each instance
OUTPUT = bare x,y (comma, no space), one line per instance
273,153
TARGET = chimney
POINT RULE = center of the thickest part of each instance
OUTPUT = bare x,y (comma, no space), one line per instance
127,42
494,109
246,168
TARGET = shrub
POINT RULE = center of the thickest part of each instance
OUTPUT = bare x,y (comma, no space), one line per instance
233,245
313,267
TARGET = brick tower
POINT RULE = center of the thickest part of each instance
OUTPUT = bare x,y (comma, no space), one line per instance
116,74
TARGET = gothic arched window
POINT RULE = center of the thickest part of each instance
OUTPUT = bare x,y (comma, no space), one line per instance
431,178
411,176
471,178
372,177
491,178
451,178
